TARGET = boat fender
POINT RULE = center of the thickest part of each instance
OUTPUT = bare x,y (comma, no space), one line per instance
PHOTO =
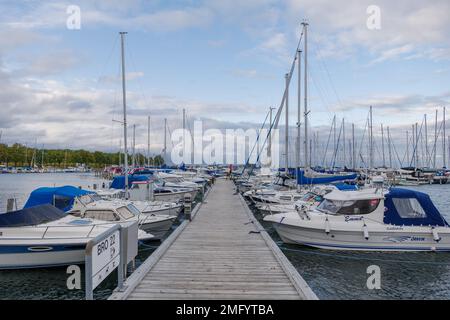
366,232
327,226
436,236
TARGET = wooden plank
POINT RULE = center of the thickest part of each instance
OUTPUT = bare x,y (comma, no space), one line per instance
221,254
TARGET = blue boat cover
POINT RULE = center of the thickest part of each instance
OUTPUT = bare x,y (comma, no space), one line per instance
60,197
346,187
302,180
31,216
391,215
119,182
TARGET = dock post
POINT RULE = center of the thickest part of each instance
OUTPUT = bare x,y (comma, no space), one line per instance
10,205
187,206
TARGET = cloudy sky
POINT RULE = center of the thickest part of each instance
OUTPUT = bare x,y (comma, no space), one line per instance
222,60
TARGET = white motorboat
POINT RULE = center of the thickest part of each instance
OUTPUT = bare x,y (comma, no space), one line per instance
140,191
44,236
367,220
119,210
311,198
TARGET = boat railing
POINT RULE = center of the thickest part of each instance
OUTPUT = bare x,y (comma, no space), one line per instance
80,231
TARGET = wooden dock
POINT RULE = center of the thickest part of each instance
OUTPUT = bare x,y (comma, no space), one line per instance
224,253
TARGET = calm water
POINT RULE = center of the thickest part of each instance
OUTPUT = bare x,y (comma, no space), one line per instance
332,275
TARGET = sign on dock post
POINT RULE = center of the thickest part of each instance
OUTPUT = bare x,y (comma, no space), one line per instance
103,256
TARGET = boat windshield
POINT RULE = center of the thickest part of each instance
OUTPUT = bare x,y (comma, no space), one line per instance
352,207
125,212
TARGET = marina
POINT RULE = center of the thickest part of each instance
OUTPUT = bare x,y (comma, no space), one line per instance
293,157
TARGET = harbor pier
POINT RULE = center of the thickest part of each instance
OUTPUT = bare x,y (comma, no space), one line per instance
223,253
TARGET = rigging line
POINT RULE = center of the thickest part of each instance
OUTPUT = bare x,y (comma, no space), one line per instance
337,146
280,108
362,139
416,146
328,142
139,82
319,54
321,95
254,145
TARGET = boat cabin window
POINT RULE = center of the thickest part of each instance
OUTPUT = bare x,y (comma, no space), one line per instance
409,208
354,207
61,201
125,213
104,215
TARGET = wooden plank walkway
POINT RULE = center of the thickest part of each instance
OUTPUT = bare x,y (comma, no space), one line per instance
221,254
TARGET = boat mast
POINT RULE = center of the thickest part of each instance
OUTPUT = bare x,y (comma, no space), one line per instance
444,153
124,99
299,113
148,141
407,148
134,147
269,146
417,144
389,148
165,139
286,142
353,147
305,30
184,136
343,140
426,142
435,140
371,140
382,146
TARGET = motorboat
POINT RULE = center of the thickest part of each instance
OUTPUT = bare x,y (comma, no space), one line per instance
367,220
310,198
45,236
89,206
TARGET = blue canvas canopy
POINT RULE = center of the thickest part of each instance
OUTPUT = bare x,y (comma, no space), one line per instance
60,197
428,215
31,216
119,182
302,180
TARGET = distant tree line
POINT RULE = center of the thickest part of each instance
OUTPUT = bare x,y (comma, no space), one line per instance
19,155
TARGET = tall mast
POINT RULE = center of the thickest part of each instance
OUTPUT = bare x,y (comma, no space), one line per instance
299,111
371,140
407,148
269,145
417,145
184,136
148,141
426,143
120,152
353,147
389,148
305,30
343,141
444,153
435,140
382,146
134,147
124,98
286,142
165,139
